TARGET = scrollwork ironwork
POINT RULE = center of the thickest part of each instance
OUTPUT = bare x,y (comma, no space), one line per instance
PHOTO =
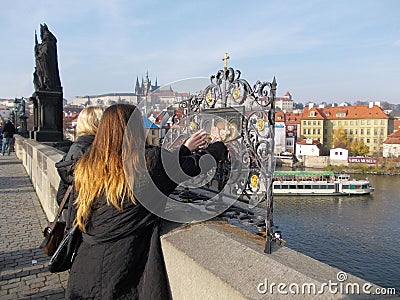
253,148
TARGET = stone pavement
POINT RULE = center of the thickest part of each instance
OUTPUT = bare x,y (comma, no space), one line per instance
23,267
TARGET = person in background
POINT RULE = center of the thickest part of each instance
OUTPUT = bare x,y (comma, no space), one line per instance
120,256
8,135
86,128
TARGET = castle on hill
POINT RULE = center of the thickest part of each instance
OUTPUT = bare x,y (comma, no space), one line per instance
141,90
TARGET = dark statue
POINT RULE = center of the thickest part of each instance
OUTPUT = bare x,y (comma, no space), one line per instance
46,76
48,96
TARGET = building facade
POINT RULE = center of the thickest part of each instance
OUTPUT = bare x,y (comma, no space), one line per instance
391,145
284,103
308,147
369,124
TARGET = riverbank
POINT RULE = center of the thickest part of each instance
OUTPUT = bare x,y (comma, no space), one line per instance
376,169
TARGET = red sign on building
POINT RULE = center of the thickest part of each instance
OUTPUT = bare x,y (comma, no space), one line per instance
362,160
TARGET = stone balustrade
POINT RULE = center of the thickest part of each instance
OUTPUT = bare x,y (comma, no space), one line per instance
212,260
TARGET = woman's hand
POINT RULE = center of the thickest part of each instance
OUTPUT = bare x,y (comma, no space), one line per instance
197,140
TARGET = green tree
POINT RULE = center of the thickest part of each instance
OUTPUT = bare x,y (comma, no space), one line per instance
362,149
358,148
340,138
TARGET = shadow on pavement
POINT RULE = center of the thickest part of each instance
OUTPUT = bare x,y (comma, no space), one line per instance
14,182
9,162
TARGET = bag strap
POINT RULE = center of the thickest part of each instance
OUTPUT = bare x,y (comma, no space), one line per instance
60,208
51,225
64,201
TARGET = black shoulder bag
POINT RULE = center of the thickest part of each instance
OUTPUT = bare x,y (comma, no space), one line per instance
64,256
54,232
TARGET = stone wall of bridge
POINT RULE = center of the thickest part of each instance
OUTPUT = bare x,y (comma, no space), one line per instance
208,260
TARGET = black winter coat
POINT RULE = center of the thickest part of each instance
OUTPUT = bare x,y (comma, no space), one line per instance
8,130
77,149
120,256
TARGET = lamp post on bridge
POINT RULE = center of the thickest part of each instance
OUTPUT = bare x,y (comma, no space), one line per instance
19,113
15,112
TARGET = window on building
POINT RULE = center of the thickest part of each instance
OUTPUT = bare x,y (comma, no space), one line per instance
336,153
308,131
319,131
368,122
362,122
375,141
355,131
313,131
376,122
345,123
375,131
368,131
304,131
382,132
312,113
326,131
309,122
319,123
314,122
351,131
304,122
362,131
368,141
339,123
382,122
340,153
351,123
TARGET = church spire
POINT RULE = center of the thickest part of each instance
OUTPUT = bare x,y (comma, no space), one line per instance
137,86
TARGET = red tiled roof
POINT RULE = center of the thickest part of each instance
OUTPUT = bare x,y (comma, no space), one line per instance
293,118
304,142
319,114
282,99
396,124
393,138
351,112
279,116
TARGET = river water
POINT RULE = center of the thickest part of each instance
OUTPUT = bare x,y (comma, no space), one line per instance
358,234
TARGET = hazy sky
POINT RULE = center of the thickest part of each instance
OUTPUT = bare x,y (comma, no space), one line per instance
318,50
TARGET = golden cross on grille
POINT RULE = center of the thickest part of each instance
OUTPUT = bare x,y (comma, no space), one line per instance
225,60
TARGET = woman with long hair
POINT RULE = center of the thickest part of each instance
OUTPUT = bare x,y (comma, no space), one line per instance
120,255
86,128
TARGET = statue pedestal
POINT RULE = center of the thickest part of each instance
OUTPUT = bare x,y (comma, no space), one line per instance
48,113
47,136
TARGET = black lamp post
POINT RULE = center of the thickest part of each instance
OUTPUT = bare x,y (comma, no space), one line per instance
19,113
16,106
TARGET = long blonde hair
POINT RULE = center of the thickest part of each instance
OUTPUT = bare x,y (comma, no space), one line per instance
88,120
100,170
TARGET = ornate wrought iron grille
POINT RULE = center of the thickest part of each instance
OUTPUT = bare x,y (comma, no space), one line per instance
248,132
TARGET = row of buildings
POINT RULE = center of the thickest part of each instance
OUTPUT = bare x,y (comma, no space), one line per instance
301,132
316,125
309,131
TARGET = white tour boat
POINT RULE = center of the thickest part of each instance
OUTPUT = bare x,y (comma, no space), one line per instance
318,183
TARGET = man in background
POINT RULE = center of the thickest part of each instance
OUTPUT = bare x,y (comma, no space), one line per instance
8,135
